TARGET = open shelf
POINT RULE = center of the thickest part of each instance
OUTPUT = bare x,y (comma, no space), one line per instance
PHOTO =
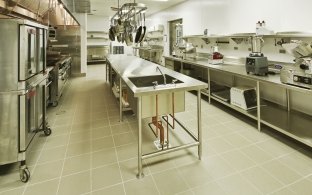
294,124
250,113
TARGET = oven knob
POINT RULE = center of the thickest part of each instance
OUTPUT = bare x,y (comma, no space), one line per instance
296,78
304,67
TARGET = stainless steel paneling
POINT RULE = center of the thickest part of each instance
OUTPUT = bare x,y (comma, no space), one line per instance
8,55
8,128
69,37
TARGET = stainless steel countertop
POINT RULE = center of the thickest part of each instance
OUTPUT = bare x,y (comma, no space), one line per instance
132,66
239,70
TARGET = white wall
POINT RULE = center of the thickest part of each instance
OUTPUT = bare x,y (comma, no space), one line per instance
236,16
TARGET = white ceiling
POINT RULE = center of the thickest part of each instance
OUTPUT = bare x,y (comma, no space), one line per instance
103,7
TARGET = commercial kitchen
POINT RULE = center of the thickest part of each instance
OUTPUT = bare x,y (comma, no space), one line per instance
155,97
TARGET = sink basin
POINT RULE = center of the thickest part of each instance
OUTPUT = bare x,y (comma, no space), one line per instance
147,81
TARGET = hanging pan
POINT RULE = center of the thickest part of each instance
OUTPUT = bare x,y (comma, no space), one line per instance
138,33
143,31
111,34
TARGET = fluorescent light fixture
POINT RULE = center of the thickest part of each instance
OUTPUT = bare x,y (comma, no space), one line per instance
160,0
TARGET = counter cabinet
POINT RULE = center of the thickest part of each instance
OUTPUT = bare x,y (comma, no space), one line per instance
277,115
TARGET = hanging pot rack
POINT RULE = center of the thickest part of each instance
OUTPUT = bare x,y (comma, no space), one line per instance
128,10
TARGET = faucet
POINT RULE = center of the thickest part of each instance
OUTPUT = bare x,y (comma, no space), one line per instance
157,68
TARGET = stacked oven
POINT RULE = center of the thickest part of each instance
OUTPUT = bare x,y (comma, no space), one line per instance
22,88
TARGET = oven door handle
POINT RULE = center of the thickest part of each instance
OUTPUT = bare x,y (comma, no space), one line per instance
37,82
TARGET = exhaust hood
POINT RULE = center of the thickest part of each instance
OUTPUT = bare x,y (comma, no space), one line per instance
55,12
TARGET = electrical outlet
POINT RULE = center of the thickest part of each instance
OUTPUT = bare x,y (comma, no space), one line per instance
249,49
282,51
235,48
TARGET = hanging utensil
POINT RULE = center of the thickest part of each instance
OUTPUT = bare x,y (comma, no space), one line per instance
111,34
138,33
143,31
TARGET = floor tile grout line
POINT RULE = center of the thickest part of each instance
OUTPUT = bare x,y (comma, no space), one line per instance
116,154
63,164
91,154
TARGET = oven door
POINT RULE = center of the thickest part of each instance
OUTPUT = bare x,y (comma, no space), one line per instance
32,55
30,114
28,52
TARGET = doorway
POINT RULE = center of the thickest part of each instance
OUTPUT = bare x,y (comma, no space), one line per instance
175,34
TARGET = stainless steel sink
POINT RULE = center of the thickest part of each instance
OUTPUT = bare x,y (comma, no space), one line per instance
148,81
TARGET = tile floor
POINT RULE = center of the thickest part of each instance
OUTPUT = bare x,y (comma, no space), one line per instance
91,152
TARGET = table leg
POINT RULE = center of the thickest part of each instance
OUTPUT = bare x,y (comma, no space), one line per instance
199,126
139,111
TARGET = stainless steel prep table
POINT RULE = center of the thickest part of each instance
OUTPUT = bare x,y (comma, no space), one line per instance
292,124
132,66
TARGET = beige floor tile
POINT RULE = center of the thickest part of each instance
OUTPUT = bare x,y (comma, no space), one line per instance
210,188
102,143
184,157
127,151
237,140
82,126
16,191
218,167
75,184
262,180
219,145
281,172
115,190
104,157
32,157
142,186
160,163
124,139
53,154
302,187
116,121
187,192
38,143
105,176
236,184
118,129
46,188
256,154
80,136
77,164
298,163
254,136
195,174
78,149
62,121
170,182
60,130
284,191
56,141
100,123
275,148
238,160
129,169
47,171
101,132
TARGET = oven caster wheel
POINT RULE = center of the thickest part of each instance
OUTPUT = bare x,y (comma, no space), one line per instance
24,175
47,131
55,103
